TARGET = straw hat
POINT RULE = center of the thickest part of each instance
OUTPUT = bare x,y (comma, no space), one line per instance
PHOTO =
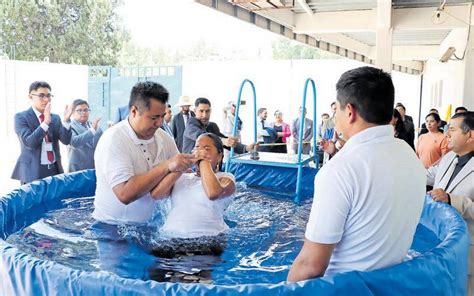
184,101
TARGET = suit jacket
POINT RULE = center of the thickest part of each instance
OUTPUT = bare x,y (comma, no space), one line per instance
167,129
461,191
177,126
308,129
31,135
121,114
82,147
195,128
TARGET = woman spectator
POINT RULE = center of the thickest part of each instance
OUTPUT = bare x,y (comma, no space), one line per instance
283,131
432,145
400,131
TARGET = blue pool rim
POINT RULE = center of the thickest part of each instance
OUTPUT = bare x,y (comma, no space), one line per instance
442,269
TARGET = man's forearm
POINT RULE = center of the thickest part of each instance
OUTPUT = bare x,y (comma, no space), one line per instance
301,271
163,188
138,186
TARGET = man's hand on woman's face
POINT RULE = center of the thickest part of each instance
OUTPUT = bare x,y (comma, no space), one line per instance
201,154
181,162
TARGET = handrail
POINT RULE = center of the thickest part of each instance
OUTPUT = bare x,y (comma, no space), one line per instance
301,131
236,117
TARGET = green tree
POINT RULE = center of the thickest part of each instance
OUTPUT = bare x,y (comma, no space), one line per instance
285,49
67,31
135,55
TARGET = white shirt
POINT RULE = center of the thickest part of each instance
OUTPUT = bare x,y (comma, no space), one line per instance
192,213
45,147
368,201
120,155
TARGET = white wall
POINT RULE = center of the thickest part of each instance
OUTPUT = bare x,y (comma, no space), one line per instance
443,84
279,85
451,82
468,100
68,82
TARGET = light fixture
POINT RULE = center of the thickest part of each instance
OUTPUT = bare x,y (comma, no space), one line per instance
447,54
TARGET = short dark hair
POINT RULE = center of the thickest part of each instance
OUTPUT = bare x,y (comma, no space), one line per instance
38,84
143,92
460,108
325,114
202,101
434,109
79,102
333,103
168,105
260,110
468,120
434,115
401,106
370,91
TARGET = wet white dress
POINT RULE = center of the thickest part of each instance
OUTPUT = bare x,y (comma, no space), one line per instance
192,213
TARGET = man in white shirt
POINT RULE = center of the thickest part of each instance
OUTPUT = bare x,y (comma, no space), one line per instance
365,207
135,156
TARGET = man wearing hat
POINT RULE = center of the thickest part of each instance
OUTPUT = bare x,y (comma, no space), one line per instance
180,120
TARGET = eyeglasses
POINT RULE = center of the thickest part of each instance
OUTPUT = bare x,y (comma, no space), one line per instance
80,111
43,96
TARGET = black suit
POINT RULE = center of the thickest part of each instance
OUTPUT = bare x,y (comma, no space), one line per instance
177,127
195,128
27,126
409,135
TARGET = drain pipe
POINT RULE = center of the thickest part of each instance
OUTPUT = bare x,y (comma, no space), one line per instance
421,99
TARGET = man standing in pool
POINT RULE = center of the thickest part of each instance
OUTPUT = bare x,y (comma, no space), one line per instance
365,207
134,156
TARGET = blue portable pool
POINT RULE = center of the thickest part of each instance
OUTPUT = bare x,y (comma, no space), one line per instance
437,262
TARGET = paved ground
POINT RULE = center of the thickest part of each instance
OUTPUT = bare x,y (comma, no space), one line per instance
8,156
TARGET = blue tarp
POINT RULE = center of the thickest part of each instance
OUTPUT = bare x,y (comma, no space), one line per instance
440,271
274,179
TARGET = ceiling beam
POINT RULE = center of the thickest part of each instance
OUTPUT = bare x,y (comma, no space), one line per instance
344,41
412,52
383,36
425,18
365,20
335,22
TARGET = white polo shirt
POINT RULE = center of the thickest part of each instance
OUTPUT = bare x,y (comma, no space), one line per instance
120,155
368,201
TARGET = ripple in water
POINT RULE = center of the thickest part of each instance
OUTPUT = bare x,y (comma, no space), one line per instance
264,238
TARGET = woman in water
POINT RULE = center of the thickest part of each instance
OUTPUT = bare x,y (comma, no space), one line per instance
198,200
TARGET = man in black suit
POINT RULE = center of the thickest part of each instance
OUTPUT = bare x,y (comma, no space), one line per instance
408,122
200,124
180,120
39,132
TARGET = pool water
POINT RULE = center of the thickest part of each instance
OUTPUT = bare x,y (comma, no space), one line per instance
265,235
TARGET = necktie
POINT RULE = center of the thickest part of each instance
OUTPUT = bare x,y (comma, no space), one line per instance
263,124
46,138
